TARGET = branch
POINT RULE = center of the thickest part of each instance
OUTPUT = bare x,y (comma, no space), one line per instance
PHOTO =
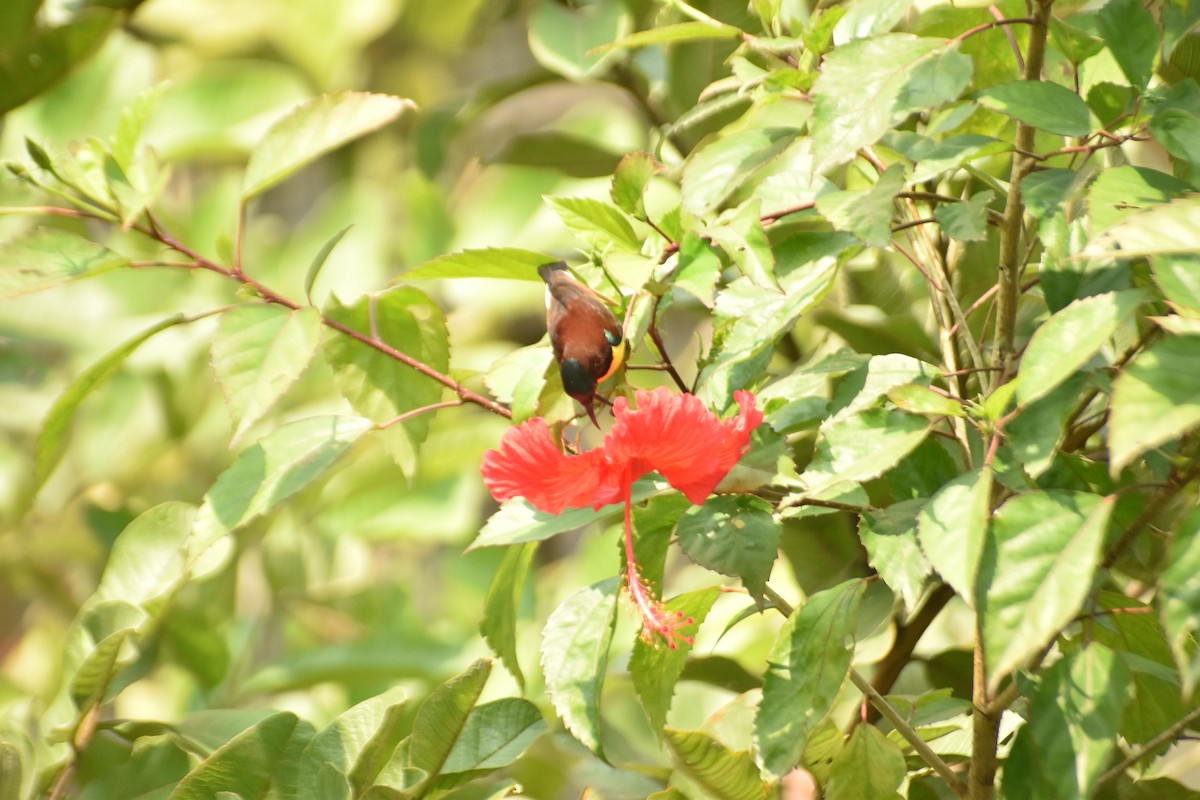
662,349
907,637
1014,207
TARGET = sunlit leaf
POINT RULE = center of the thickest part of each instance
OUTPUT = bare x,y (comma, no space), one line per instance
1132,36
890,538
52,441
379,385
492,262
49,257
1156,398
1179,598
599,224
869,85
712,173
966,221
357,744
246,764
313,129
863,446
1040,104
443,718
655,670
575,658
275,468
495,735
866,214
1068,339
629,182
257,353
805,671
953,526
499,623
1037,567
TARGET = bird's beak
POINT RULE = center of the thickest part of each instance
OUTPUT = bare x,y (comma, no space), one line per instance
589,405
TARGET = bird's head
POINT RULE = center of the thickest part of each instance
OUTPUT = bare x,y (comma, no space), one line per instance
579,384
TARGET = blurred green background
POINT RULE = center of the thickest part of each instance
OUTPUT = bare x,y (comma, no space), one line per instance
359,582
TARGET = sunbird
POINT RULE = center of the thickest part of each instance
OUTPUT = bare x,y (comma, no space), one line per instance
587,339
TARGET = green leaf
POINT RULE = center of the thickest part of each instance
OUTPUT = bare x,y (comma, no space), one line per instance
45,55
735,535
870,765
890,538
629,182
1037,568
805,671
52,441
1039,429
599,224
49,257
379,386
722,773
713,172
1121,192
1176,120
500,609
863,446
567,41
246,764
562,152
917,399
1073,719
739,232
575,657
656,670
869,85
953,528
1179,599
1164,229
356,745
1132,36
1068,339
314,128
1179,279
866,384
1040,104
11,772
966,221
517,521
149,558
1156,398
492,262
443,717
699,268
679,32
866,214
257,353
314,269
495,735
269,472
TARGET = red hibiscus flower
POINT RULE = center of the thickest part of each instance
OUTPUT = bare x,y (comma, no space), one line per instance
672,434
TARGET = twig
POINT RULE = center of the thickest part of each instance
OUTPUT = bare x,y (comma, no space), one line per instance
1014,207
662,349
853,508
417,412
902,727
1153,506
1148,748
999,23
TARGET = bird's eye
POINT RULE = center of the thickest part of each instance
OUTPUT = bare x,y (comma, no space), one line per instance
614,339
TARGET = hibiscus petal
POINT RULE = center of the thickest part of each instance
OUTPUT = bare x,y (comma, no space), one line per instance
529,465
678,437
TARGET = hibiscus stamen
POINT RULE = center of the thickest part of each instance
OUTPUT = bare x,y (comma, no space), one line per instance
657,619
